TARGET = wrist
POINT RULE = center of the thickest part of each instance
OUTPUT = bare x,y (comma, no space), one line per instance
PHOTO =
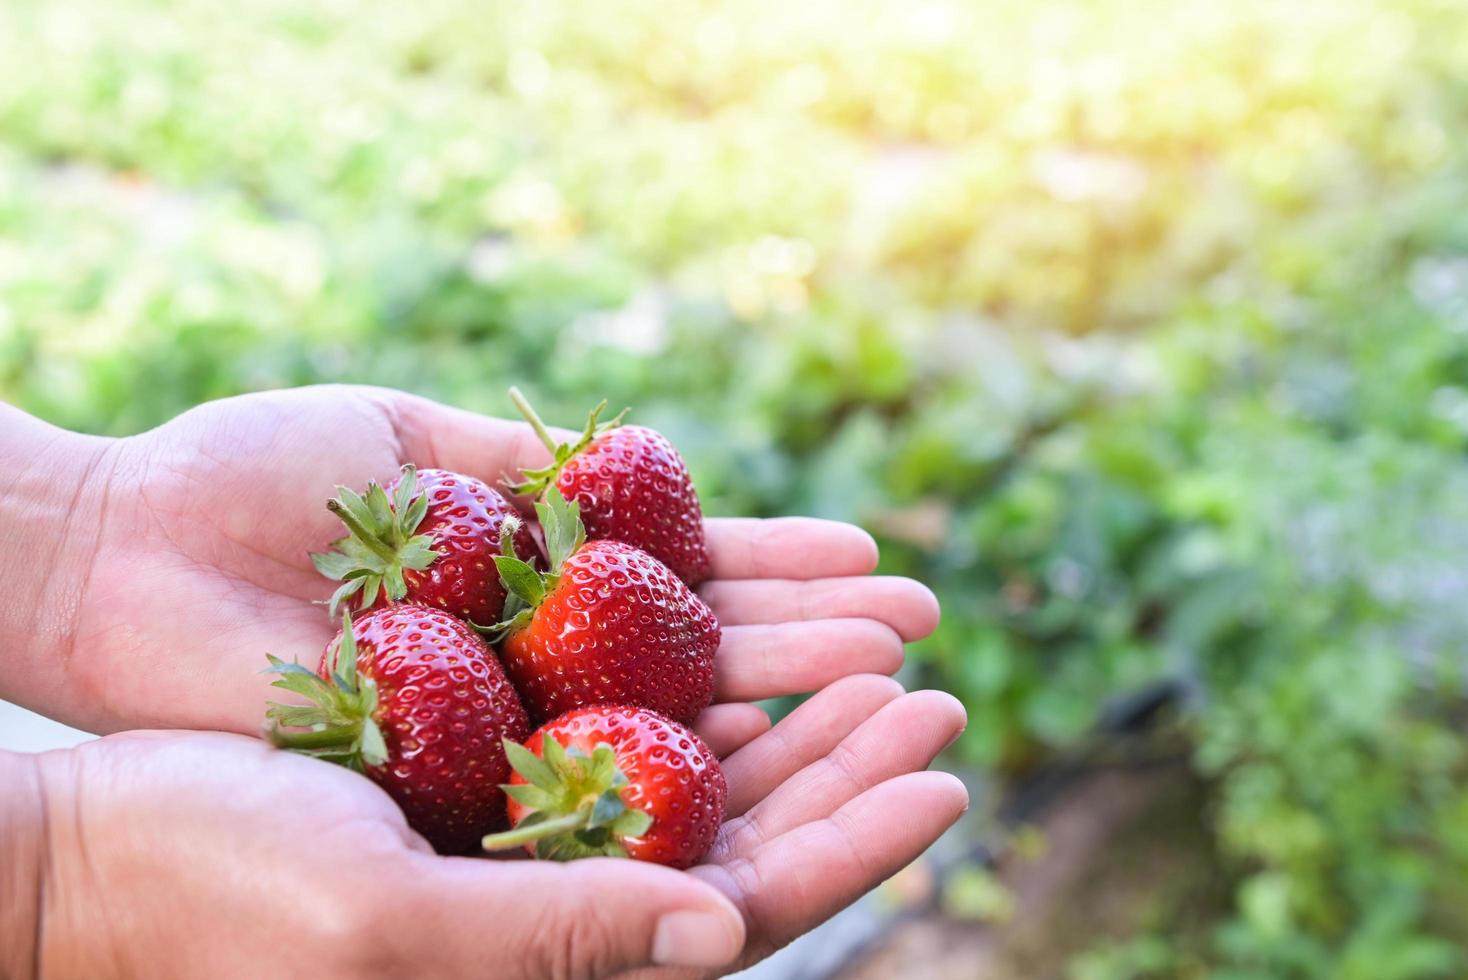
23,844
51,500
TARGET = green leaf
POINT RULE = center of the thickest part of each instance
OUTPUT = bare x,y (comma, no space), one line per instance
345,657
554,754
633,823
368,561
379,505
344,593
374,748
367,697
333,564
325,700
533,820
530,796
535,480
408,489
608,807
602,767
527,764
560,521
394,584
279,666
418,553
357,507
413,514
293,715
521,579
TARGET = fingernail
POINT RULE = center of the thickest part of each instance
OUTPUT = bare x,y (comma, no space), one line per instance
693,939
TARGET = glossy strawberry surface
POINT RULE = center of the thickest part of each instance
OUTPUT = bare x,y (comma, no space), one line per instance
671,775
618,627
443,705
634,487
463,520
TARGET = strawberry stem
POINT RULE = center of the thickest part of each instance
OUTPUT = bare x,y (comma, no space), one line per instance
362,534
522,404
529,833
323,739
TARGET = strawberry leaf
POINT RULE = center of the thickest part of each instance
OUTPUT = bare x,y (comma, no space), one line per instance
633,823
338,722
407,495
521,580
414,513
554,754
373,747
608,807
380,507
577,808
381,541
529,765
333,564
560,520
531,796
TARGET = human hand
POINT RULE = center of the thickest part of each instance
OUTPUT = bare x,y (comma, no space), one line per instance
147,872
191,542
187,855
828,804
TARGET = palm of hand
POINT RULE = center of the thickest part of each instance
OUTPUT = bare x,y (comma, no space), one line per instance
203,568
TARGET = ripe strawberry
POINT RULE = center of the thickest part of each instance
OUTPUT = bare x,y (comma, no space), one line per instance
632,487
608,624
416,700
614,781
430,538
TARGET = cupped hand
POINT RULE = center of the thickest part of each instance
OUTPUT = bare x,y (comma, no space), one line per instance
190,854
829,803
197,564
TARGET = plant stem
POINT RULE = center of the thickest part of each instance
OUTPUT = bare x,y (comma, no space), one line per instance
361,533
522,404
526,834
323,739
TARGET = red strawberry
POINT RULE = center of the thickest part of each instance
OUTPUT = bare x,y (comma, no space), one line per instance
430,538
608,624
632,487
416,700
614,781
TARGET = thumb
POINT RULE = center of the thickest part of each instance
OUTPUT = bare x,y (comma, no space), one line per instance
587,918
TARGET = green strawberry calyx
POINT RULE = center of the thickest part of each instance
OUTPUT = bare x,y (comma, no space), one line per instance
537,480
338,723
381,542
525,586
575,801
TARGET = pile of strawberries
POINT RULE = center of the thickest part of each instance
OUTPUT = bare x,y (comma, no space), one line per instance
463,625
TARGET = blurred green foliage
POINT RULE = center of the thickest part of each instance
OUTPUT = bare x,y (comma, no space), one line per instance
1138,328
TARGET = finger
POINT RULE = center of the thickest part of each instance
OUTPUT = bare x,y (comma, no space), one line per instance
803,877
757,662
728,727
788,547
809,733
489,449
563,920
903,736
907,606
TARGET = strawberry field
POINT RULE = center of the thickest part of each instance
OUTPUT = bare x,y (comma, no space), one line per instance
1137,329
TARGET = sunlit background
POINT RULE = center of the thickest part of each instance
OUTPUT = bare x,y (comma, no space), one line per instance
1137,328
